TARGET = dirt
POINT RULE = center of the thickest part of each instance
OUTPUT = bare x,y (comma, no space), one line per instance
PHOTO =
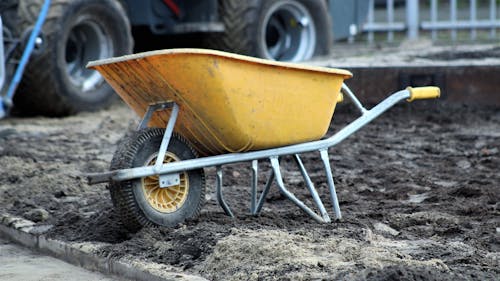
411,53
450,55
418,188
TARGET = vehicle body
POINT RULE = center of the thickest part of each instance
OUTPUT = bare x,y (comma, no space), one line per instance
55,81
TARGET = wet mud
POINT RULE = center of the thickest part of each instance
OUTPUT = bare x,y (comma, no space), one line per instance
419,191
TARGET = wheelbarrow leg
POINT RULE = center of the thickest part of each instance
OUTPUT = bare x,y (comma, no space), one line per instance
311,188
255,181
220,197
279,180
331,184
263,196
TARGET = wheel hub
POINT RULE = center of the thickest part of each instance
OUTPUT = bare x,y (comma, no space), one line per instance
86,41
167,199
288,33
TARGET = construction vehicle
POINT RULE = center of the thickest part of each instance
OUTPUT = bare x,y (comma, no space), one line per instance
47,43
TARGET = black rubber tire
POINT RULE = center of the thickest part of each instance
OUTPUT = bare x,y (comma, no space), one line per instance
47,87
128,197
8,12
10,21
244,25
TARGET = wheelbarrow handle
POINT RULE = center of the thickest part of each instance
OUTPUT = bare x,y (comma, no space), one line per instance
421,93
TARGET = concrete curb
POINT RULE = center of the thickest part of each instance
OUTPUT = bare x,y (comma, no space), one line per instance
464,79
26,233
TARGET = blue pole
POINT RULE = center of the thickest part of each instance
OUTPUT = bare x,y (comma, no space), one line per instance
7,102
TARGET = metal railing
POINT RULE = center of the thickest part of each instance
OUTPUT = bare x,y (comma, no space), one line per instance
439,18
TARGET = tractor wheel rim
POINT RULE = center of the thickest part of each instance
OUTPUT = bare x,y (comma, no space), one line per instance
169,199
86,41
288,32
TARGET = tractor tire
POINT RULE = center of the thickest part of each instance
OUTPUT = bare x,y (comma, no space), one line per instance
283,30
9,15
8,12
142,202
56,81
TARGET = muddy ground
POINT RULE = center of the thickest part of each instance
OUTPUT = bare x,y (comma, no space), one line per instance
419,189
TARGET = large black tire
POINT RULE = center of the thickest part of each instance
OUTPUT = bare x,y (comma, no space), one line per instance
129,197
8,11
270,29
56,82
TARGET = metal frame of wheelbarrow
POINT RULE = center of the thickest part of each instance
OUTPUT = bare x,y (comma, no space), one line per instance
169,173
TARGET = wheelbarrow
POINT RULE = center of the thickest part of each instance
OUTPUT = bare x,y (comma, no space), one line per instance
205,108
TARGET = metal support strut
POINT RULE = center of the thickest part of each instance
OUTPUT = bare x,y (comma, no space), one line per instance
263,196
279,180
166,180
166,137
311,188
331,185
220,197
255,181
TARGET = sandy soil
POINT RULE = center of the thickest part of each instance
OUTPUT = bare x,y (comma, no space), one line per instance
419,191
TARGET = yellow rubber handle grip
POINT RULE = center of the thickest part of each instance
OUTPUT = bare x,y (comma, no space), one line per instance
421,93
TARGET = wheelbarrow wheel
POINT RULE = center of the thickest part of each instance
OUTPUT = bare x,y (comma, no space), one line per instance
142,202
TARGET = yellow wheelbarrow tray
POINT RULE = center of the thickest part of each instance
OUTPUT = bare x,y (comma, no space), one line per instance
230,108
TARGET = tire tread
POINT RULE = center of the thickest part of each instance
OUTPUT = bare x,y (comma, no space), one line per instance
122,194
